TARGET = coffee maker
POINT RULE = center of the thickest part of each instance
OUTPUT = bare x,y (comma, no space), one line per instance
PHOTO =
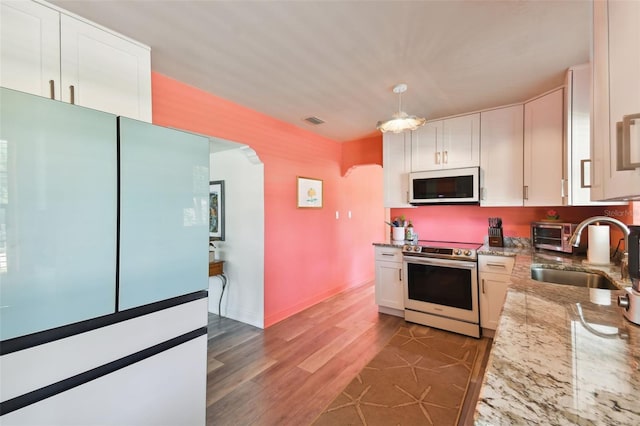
631,300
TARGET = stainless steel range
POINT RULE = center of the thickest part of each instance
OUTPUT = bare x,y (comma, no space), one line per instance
441,285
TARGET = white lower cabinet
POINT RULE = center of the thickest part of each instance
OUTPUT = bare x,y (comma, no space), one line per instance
389,280
495,277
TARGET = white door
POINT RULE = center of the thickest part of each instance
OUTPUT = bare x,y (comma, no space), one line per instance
103,71
389,291
543,146
426,147
396,163
493,290
616,94
461,142
30,48
501,157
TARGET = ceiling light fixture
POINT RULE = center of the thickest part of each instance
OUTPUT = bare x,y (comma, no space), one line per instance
400,120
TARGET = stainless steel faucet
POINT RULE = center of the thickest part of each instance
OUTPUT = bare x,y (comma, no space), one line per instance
575,238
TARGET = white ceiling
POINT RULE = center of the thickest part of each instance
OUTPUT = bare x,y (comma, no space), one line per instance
338,60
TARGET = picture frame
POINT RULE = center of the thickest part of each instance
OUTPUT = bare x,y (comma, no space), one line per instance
310,193
216,210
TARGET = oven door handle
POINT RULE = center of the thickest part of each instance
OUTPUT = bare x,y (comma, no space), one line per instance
441,262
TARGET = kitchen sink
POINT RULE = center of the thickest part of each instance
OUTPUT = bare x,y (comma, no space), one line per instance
574,278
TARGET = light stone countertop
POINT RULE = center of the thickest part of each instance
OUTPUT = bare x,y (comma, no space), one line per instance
558,357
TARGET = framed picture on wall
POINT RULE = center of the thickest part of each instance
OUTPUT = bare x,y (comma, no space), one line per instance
309,193
216,210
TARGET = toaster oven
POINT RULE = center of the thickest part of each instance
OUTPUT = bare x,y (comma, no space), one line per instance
553,236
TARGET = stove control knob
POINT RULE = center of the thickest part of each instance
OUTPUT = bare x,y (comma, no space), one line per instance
457,252
467,253
416,249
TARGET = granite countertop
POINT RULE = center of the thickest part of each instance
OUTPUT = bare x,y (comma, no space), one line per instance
561,355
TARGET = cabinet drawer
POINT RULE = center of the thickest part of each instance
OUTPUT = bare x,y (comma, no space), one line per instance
389,254
496,264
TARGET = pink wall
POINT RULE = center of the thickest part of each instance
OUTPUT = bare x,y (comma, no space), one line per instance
309,254
362,151
469,223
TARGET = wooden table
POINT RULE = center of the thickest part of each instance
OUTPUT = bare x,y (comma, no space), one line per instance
216,270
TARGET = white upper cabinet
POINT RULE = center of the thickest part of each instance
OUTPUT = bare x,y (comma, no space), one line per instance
578,140
501,157
30,48
426,147
578,149
49,53
615,142
461,142
543,146
447,144
396,165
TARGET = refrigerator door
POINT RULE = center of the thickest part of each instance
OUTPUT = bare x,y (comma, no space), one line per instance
57,213
164,213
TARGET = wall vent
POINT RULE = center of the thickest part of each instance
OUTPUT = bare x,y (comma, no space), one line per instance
314,120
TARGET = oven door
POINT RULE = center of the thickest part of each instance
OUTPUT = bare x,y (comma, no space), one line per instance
443,287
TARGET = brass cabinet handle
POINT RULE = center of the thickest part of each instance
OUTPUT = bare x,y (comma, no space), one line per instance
438,157
525,190
483,286
400,274
497,265
72,95
623,142
52,89
445,157
583,183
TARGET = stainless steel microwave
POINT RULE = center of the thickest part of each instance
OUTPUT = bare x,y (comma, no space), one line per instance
448,186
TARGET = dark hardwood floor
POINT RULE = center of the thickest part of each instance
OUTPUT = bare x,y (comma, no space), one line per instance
288,373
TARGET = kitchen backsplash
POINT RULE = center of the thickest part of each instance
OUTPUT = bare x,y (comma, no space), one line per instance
469,223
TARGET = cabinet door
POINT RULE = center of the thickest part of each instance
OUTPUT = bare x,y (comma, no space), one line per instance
426,147
164,213
493,290
389,291
30,48
57,213
396,161
616,94
104,71
501,157
461,142
543,146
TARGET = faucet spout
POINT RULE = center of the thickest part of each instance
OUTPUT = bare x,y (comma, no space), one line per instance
575,238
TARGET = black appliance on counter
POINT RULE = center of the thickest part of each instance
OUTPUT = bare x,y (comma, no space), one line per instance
631,300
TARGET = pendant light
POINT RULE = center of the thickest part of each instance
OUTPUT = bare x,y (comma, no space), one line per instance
400,121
